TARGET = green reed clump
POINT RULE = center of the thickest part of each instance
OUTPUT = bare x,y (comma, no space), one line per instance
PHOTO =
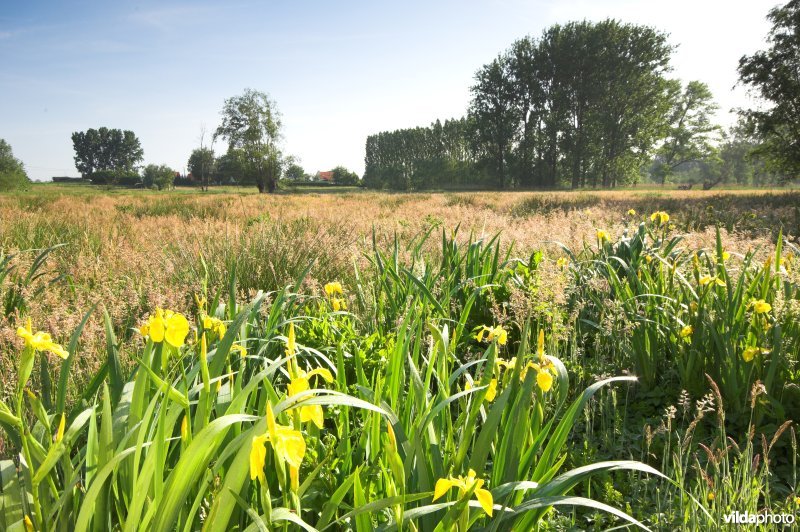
289,410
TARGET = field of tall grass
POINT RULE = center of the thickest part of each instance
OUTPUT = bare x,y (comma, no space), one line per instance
362,361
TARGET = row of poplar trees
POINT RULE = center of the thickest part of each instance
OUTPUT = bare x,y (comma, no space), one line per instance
585,104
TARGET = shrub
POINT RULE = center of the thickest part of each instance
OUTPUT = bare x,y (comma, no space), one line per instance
158,176
12,172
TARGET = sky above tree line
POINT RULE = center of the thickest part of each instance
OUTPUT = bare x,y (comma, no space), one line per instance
338,71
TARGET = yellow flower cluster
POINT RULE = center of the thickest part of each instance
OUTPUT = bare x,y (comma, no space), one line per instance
334,292
659,217
545,370
299,381
708,279
40,341
464,485
687,331
287,443
544,367
492,334
786,262
166,325
215,325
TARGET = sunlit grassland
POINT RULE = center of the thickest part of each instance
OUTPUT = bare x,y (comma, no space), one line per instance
702,308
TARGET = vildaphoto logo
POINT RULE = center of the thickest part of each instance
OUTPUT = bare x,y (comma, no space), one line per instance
764,518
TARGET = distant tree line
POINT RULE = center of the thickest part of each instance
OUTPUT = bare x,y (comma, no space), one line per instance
423,157
586,104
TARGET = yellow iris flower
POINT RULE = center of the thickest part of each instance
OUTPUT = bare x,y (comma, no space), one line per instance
237,348
761,306
687,331
660,217
750,353
299,381
545,369
287,443
166,325
491,391
707,279
334,288
492,333
40,341
214,325
464,484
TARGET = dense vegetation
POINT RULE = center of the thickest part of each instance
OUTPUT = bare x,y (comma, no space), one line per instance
12,171
593,105
395,366
772,75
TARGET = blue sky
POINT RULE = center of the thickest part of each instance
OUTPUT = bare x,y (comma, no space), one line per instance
339,71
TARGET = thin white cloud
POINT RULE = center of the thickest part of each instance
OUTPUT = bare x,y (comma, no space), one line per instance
171,18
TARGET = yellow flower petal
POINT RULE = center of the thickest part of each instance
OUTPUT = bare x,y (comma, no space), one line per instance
258,456
177,327
502,335
761,307
25,334
333,288
289,445
749,354
314,414
297,385
545,380
322,372
485,500
491,392
443,485
156,327
60,431
58,350
540,344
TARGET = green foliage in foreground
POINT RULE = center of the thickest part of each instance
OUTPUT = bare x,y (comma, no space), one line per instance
415,401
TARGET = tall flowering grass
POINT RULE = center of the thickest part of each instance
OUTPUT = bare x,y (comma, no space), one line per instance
403,382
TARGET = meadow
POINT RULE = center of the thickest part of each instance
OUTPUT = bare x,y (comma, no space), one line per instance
373,361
